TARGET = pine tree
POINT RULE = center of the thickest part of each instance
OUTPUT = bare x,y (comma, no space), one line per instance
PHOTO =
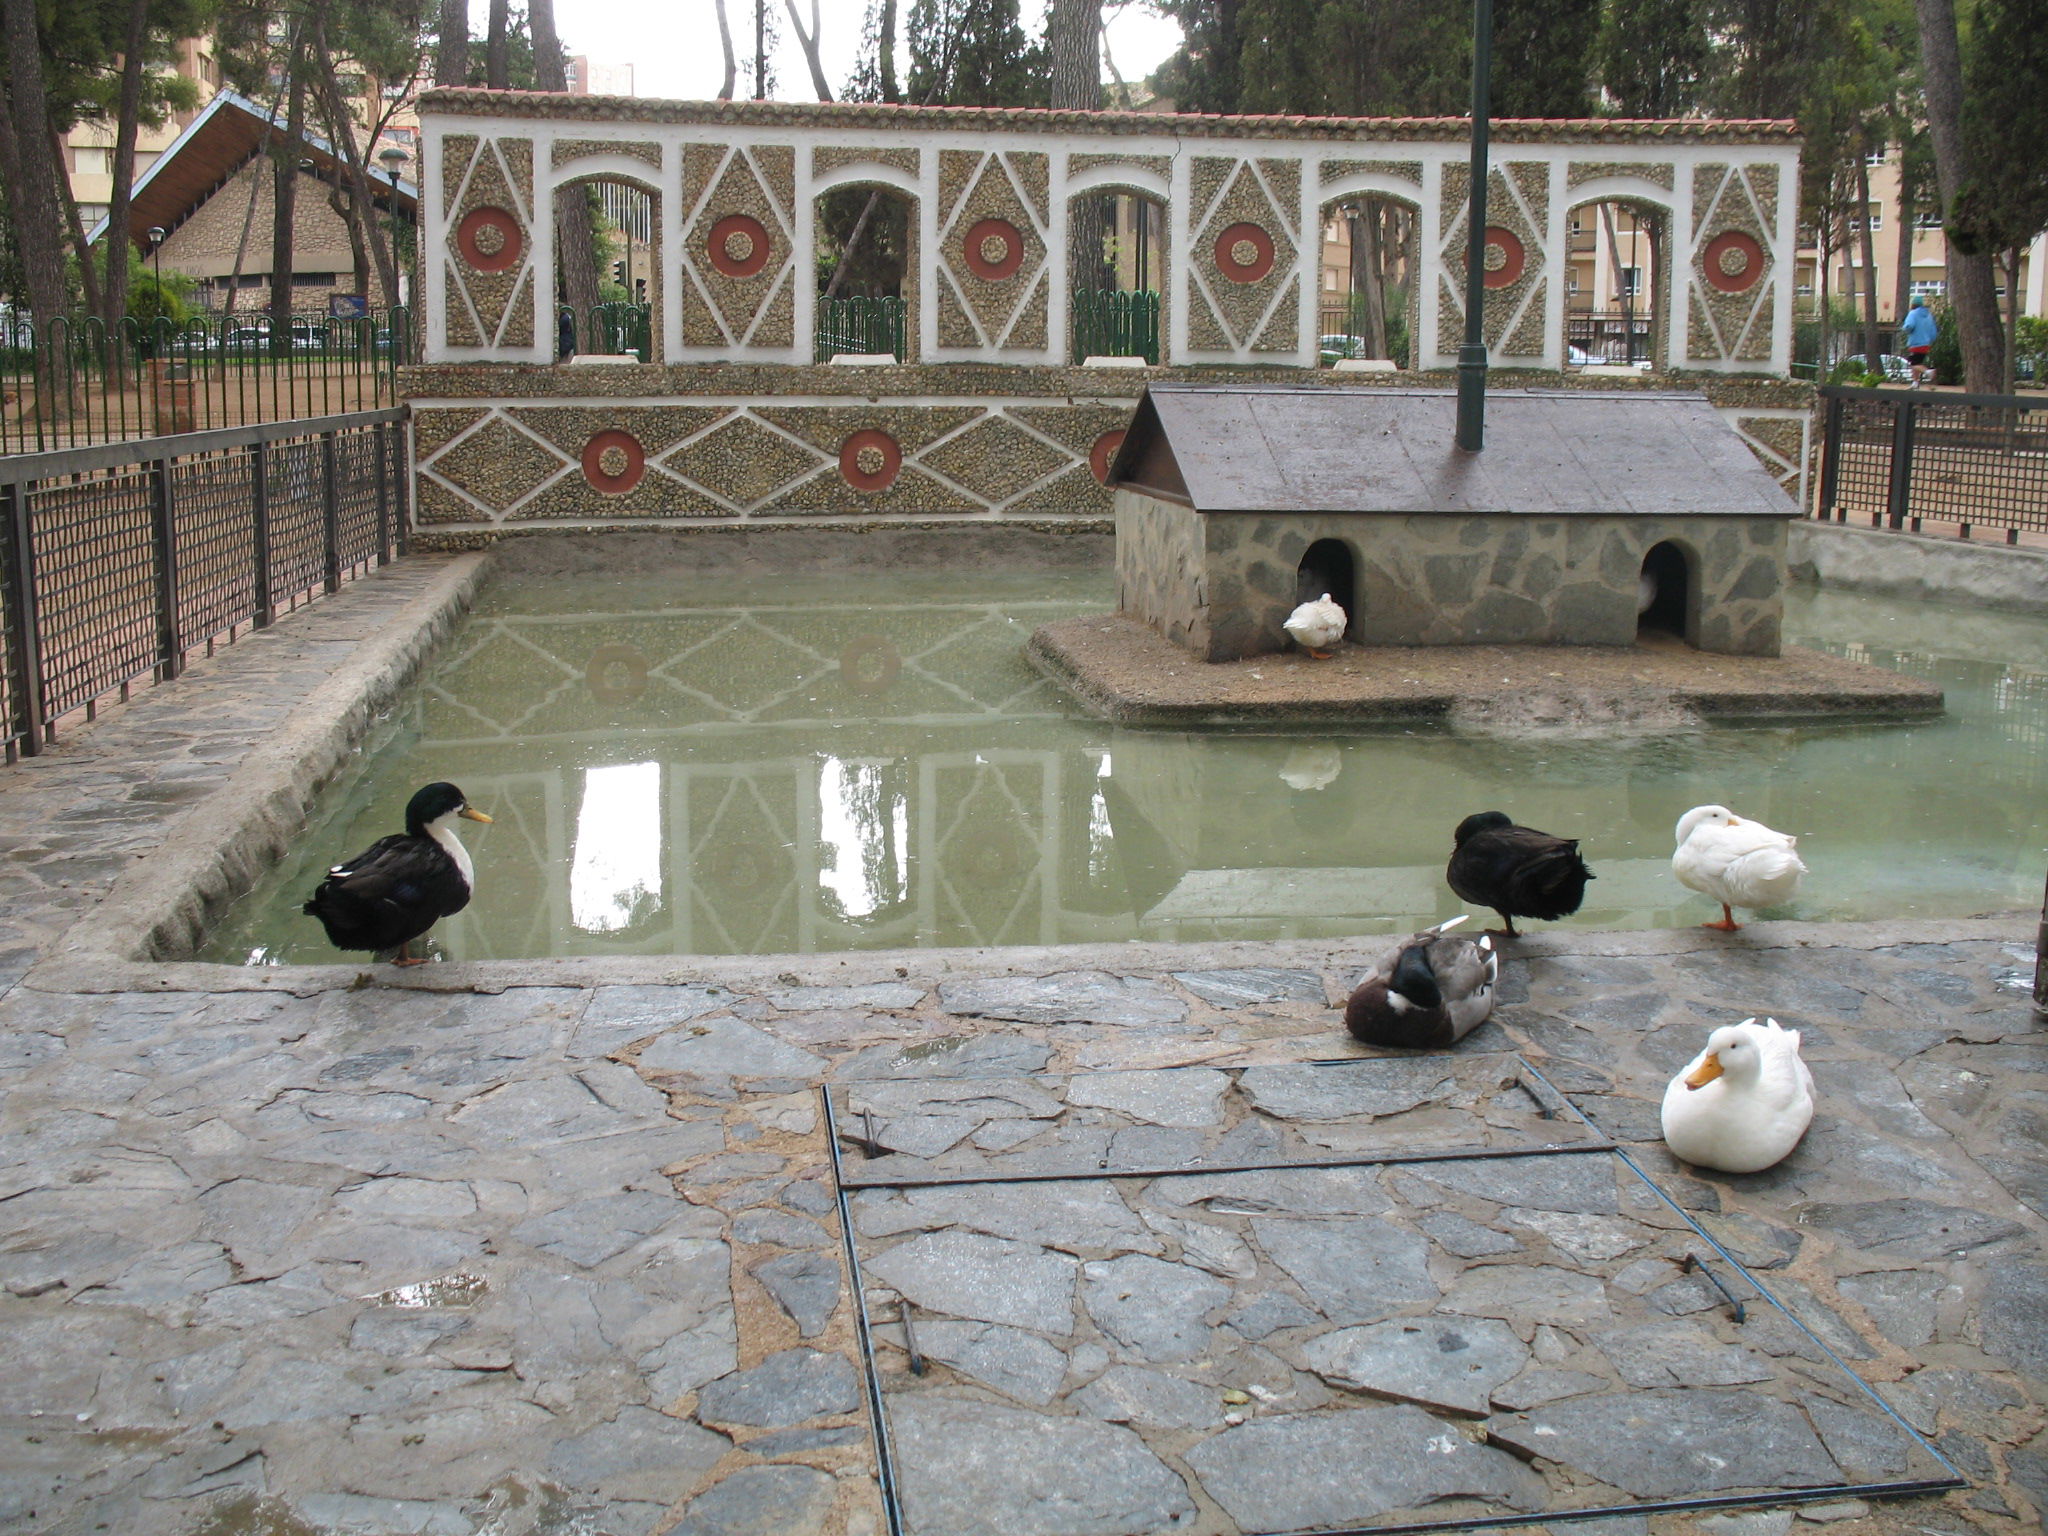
1653,56
1543,57
973,53
2004,202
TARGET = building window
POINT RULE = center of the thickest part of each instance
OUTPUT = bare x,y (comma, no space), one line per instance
1876,156
1930,220
1876,222
1928,288
1631,280
90,160
90,214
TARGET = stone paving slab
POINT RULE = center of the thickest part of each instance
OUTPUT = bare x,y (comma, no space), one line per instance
556,1248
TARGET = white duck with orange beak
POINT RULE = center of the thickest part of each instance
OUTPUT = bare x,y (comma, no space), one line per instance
1736,861
1743,1103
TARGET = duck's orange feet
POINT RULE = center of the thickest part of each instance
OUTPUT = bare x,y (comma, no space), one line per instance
1322,655
1727,923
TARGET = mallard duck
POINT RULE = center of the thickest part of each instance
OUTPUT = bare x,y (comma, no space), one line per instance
1317,626
1743,1102
1517,871
1431,989
1736,862
400,886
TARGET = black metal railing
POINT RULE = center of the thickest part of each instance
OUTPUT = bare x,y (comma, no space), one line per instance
1116,322
119,561
616,330
1619,336
77,381
1903,458
863,326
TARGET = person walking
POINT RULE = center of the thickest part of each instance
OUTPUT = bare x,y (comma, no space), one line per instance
1919,332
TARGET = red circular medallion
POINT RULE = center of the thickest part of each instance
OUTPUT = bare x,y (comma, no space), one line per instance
738,246
869,460
869,665
489,239
1244,253
993,249
1505,257
616,674
1104,453
614,461
1733,261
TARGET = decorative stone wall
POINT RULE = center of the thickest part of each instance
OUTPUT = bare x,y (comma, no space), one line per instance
507,446
993,191
1221,584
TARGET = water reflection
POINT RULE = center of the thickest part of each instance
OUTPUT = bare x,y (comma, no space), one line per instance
615,871
867,763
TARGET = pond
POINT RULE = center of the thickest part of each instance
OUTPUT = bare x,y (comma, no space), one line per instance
759,765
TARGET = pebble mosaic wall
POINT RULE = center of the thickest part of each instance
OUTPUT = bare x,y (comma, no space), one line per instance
991,196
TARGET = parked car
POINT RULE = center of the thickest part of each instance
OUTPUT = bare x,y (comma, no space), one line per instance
1334,348
254,336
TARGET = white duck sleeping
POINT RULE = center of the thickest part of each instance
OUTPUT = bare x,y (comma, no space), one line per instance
1318,626
1743,1102
1738,863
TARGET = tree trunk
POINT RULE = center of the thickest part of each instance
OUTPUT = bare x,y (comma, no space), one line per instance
242,245
1969,277
498,48
732,68
808,41
451,44
760,50
129,113
575,262
1365,278
886,48
1824,252
87,277
32,185
1073,34
1873,349
358,209
2012,317
1902,284
860,227
284,197
549,73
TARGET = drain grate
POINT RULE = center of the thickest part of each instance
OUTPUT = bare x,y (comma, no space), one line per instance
1389,1294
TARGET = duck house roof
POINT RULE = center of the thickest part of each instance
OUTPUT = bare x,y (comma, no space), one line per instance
1548,453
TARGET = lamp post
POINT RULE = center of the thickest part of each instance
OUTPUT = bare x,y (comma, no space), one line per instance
1472,355
156,246
394,158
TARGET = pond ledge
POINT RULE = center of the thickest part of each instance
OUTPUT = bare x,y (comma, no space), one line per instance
1124,671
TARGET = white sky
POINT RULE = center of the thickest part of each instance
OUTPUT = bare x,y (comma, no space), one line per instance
673,44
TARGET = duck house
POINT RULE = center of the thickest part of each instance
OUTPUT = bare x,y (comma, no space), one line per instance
1589,519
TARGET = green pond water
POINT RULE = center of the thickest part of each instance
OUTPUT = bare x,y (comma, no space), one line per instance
769,765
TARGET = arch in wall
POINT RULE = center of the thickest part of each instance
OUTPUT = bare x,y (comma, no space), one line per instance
1117,305
867,220
1667,594
1618,269
1327,566
625,213
1368,277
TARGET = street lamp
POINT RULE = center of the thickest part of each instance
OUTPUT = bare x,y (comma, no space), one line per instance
156,246
394,158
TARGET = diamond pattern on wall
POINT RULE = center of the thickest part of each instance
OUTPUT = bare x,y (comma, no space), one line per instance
744,462
1742,200
739,307
1006,308
492,309
1226,312
1518,202
997,457
497,465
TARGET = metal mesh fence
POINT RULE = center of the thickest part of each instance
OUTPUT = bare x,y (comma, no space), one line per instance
1979,462
117,561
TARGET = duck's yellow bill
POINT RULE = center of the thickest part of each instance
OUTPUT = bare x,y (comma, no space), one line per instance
471,813
1705,1072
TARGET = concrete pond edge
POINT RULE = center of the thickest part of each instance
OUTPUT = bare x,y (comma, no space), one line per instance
162,906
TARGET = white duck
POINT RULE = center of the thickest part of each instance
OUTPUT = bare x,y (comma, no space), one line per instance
1317,626
1738,863
1743,1102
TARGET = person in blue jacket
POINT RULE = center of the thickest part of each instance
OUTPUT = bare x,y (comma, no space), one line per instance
1919,332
